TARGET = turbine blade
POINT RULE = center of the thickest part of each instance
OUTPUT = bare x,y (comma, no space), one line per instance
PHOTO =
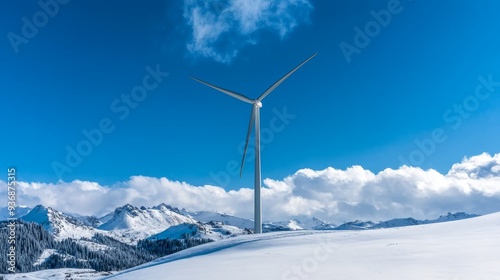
228,92
277,83
250,126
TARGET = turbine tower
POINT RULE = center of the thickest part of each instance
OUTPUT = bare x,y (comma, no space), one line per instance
255,118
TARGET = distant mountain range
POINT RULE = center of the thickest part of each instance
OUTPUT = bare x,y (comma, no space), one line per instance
129,223
143,234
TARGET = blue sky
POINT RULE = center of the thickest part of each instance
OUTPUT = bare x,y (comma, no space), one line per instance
369,112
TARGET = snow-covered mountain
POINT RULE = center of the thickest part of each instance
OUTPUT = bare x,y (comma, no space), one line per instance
399,222
356,225
20,211
316,224
301,224
282,226
61,225
402,222
131,224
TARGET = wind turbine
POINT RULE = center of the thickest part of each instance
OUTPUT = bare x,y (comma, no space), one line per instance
255,118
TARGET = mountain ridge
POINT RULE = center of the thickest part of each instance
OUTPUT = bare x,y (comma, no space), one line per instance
147,221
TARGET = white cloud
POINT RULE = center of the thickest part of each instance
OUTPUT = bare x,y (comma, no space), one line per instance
472,185
220,28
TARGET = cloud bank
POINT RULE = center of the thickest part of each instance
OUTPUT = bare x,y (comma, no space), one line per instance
220,28
472,185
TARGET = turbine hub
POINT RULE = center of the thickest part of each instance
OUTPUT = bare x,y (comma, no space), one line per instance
258,103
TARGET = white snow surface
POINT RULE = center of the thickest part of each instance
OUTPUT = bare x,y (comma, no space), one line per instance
49,252
59,274
465,249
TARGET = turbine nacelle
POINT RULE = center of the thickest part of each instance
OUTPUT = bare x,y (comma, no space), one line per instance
257,103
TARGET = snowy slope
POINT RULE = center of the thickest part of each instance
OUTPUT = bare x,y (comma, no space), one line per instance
452,217
208,216
48,253
177,232
316,224
465,249
45,255
212,230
